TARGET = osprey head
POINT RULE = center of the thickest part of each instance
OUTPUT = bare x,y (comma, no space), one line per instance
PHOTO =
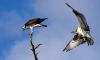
25,27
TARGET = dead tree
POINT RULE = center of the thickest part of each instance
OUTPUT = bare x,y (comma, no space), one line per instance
33,47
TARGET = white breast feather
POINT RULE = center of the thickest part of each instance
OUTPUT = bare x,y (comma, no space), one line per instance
80,31
37,25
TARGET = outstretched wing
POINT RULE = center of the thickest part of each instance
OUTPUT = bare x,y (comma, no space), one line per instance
81,19
76,41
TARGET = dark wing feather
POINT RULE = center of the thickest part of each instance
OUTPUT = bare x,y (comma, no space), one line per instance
41,20
32,21
81,18
35,21
89,39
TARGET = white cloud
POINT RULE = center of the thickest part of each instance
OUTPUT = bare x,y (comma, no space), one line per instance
49,51
55,35
20,51
63,21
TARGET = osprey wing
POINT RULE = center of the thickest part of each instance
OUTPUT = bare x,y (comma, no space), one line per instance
35,21
76,41
32,21
81,19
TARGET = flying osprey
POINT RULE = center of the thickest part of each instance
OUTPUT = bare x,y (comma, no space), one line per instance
35,22
83,30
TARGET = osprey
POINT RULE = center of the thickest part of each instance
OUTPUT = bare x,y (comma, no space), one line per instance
35,22
83,32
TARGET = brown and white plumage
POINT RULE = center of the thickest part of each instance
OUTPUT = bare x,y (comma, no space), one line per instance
76,41
83,27
35,22
81,19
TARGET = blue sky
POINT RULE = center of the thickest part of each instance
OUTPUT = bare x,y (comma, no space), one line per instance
14,43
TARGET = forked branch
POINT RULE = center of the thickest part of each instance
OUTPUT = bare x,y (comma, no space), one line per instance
33,48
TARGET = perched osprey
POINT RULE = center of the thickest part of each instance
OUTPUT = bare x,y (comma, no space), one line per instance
32,23
83,32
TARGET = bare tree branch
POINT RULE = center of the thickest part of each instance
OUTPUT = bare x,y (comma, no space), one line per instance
38,45
33,46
